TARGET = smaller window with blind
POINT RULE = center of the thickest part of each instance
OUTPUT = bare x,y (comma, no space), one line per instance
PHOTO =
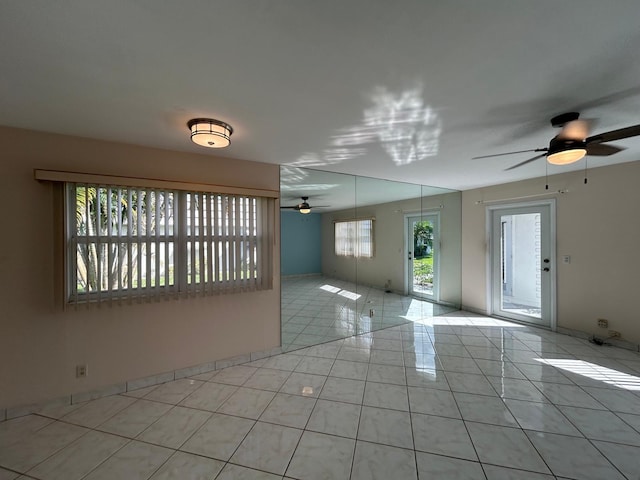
354,238
126,242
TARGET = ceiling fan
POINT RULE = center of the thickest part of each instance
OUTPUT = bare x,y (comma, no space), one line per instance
303,207
572,143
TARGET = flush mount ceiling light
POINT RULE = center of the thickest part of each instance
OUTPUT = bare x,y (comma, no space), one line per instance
564,152
211,133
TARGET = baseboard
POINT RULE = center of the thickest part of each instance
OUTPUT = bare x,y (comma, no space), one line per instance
130,385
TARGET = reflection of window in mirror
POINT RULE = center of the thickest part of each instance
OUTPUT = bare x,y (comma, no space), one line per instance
354,238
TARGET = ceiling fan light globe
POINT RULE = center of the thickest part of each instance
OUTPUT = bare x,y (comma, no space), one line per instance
304,210
565,157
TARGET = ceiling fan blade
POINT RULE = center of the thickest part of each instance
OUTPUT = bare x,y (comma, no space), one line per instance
526,161
602,150
575,130
510,153
292,208
615,135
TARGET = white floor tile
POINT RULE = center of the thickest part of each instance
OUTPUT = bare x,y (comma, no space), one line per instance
235,375
267,379
219,437
247,402
601,425
134,461
508,447
385,395
288,410
30,450
319,457
335,418
174,428
343,390
469,383
184,466
350,370
573,457
381,462
436,466
8,475
236,472
287,361
267,447
494,472
209,396
433,402
616,400
429,378
501,368
389,427
305,384
95,412
16,429
174,392
443,436
541,417
570,395
79,458
518,389
386,374
315,365
624,457
484,409
131,421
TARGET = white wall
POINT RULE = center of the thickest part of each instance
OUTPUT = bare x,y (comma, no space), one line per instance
40,343
597,224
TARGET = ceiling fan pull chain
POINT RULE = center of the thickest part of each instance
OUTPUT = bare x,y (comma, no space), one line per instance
585,170
546,175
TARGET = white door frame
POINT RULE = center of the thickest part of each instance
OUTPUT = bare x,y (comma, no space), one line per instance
436,260
551,203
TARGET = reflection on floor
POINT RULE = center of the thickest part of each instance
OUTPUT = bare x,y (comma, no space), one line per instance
317,309
452,397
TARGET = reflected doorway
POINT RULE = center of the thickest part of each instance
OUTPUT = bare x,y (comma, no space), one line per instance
423,247
523,263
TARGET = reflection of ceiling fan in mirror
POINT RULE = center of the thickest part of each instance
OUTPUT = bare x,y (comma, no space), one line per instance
572,143
303,207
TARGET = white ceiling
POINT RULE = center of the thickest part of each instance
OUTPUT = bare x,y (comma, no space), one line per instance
408,90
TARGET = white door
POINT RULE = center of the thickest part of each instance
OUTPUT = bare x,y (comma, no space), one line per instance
423,247
523,262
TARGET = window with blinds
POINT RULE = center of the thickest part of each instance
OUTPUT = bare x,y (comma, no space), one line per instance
354,238
126,242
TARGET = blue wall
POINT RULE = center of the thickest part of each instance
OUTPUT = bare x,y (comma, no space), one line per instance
300,243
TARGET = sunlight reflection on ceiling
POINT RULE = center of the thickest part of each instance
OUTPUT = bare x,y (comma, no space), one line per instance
596,372
408,129
401,123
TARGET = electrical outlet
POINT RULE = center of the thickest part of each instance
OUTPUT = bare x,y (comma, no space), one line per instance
603,323
614,334
81,371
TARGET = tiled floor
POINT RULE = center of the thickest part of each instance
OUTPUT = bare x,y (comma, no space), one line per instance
453,397
317,309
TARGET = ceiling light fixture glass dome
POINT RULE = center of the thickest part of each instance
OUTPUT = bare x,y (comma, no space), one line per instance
210,133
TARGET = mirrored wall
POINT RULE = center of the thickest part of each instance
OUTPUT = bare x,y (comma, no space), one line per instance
360,254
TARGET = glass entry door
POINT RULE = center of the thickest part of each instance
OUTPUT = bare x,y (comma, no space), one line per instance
522,259
423,255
